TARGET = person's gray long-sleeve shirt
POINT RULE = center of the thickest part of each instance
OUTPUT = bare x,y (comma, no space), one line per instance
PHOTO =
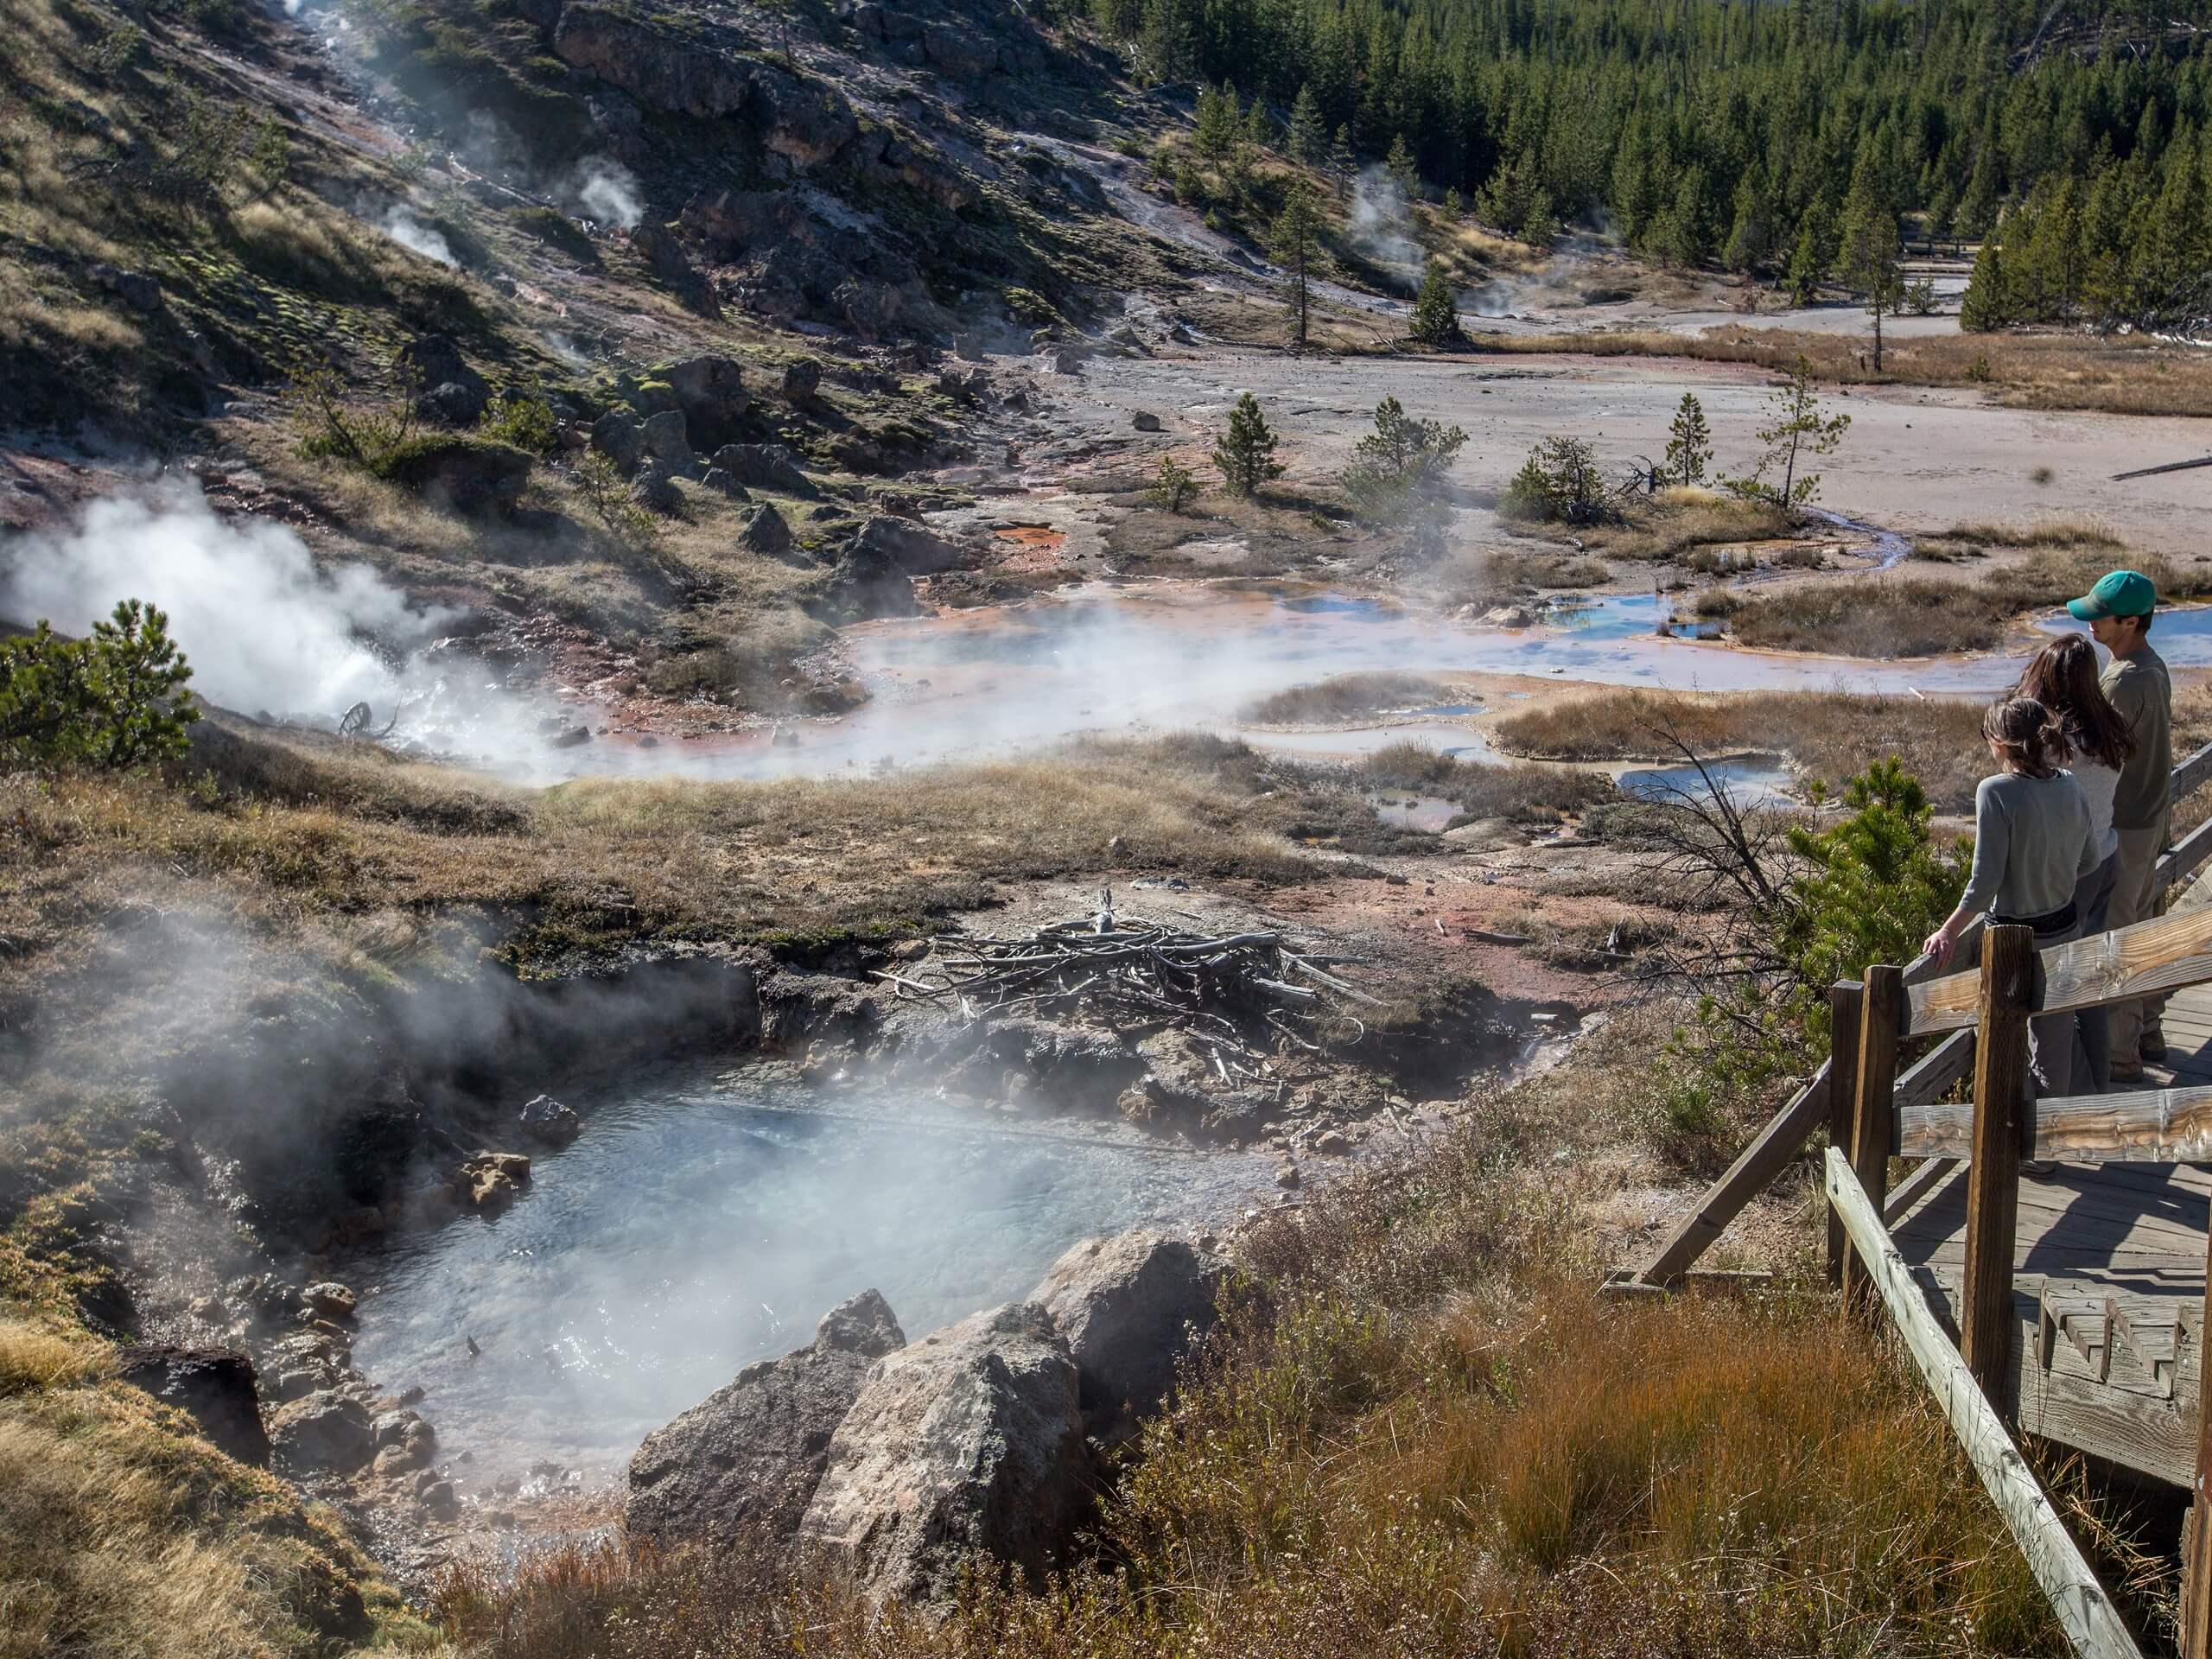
2031,843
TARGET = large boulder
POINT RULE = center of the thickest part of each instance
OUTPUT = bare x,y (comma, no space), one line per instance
765,467
765,532
968,1444
803,122
1130,1306
448,392
664,255
326,1432
710,391
546,1120
667,440
659,67
619,437
803,380
213,1386
469,475
745,1461
906,547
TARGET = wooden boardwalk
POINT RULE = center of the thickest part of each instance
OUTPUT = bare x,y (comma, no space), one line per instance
2108,1288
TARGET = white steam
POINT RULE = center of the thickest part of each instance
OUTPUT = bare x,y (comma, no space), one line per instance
604,189
264,629
411,234
1560,279
1381,225
269,634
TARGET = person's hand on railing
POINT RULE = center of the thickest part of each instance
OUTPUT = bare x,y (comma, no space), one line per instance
1938,945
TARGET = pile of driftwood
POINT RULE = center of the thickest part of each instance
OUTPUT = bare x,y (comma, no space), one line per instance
1133,971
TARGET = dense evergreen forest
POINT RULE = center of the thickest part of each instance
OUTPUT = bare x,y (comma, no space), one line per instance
1703,131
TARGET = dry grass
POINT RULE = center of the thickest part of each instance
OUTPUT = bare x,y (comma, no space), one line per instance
2120,375
1832,735
1521,792
1683,521
1898,613
130,1538
1350,696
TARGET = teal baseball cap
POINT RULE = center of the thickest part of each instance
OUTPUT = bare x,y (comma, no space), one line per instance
2118,593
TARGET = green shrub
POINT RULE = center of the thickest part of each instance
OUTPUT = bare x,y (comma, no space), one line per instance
1174,486
1559,483
115,700
525,422
1401,464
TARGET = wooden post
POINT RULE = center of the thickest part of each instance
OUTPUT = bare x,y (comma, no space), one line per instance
1873,1122
1844,999
2000,1102
2196,1565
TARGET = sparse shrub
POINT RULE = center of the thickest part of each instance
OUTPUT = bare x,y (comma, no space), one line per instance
113,701
270,158
525,422
1401,465
341,422
1559,483
607,493
1979,371
1246,451
210,141
116,50
1919,296
1174,486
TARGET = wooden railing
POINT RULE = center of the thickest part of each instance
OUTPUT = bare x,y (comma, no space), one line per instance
1873,1110
1817,1105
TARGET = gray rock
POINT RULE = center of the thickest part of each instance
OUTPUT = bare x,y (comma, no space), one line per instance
1145,421
710,391
331,1300
324,1432
1130,1306
905,547
134,287
765,532
722,484
967,1444
962,54
663,69
547,1120
663,253
748,1457
655,487
803,380
213,1386
448,392
620,439
765,467
731,222
667,441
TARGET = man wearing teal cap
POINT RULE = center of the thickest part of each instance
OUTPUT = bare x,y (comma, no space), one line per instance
2118,610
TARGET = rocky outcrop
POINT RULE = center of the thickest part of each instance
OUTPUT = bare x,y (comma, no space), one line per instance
731,223
710,391
967,1443
665,256
765,532
324,1432
803,380
667,439
905,547
745,1460
1130,1306
765,467
666,70
330,1300
466,474
654,487
215,1387
491,1181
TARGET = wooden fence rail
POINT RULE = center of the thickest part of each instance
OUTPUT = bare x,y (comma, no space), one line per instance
2084,1610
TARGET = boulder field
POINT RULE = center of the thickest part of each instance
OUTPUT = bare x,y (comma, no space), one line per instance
901,1462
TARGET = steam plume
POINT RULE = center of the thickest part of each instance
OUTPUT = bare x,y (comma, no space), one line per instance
606,191
411,234
1382,225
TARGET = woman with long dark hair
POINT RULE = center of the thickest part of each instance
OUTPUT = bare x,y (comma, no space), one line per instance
2032,845
2063,677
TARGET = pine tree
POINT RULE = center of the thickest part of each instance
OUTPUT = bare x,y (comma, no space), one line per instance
1750,234
1292,242
1220,126
1689,443
1796,430
1436,309
1400,165
1167,41
1308,140
1808,263
1246,452
1988,302
1342,160
1868,257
